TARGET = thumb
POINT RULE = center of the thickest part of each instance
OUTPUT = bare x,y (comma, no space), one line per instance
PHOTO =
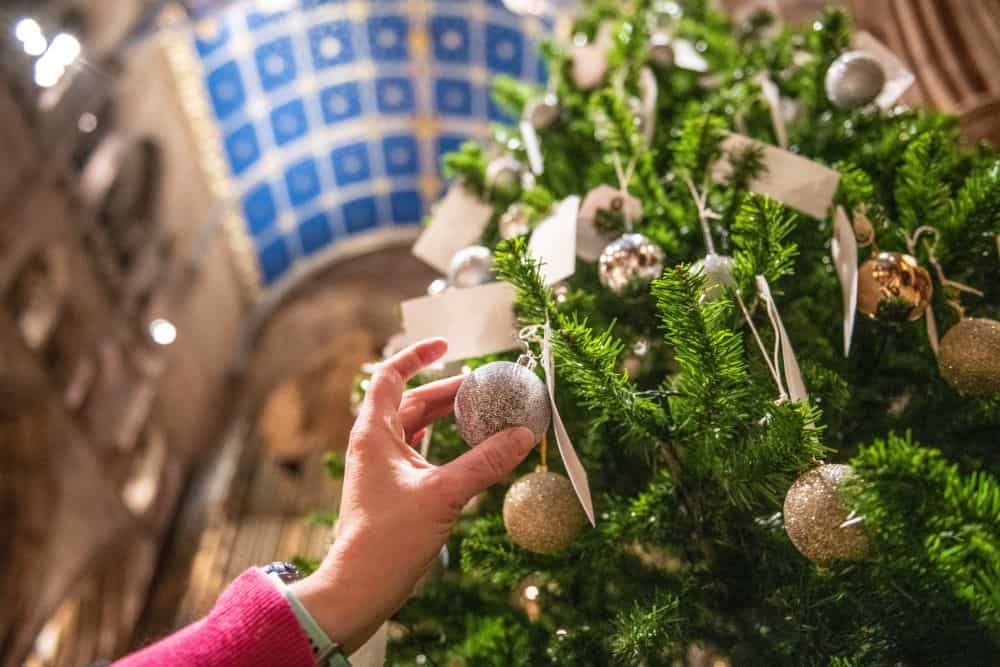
487,463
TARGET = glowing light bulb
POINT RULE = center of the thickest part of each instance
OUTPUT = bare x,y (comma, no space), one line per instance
163,332
87,123
26,29
48,71
35,44
65,48
531,592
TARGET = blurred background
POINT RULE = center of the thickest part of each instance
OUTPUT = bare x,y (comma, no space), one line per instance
206,210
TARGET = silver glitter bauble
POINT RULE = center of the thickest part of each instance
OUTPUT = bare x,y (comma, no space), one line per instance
630,262
815,514
543,112
499,396
542,513
969,357
437,286
514,222
470,267
660,51
854,79
504,172
718,270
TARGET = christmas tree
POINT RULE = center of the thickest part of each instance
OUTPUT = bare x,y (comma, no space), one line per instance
760,495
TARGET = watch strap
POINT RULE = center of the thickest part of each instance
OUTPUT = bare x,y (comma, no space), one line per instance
327,652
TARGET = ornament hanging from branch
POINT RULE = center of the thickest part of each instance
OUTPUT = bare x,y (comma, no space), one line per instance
471,266
854,80
498,396
629,264
817,521
892,287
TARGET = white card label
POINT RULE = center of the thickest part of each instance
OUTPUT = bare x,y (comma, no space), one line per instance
898,77
590,243
686,56
796,181
475,320
457,222
553,243
648,92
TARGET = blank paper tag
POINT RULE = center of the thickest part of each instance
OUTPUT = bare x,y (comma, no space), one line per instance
590,243
577,475
532,146
457,222
687,57
553,242
844,248
796,181
475,320
898,76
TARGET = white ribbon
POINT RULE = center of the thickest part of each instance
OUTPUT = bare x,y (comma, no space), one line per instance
793,375
574,468
648,92
772,96
532,146
844,248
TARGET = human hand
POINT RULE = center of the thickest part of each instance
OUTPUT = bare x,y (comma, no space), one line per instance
397,509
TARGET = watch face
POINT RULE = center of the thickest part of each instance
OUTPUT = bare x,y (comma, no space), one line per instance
285,571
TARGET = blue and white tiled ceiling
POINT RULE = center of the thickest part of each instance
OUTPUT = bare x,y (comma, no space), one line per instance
334,115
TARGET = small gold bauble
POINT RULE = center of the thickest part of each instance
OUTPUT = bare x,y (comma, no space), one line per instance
814,516
969,356
542,513
893,287
864,230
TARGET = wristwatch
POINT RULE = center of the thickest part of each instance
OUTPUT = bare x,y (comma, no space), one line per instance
327,651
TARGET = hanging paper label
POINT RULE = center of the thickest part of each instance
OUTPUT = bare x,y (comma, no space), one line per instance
458,221
772,96
790,365
648,91
898,77
532,146
475,320
372,654
590,243
686,56
844,248
932,333
553,243
795,181
577,475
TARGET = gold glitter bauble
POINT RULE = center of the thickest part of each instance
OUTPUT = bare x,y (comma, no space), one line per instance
814,515
969,356
893,287
542,513
498,396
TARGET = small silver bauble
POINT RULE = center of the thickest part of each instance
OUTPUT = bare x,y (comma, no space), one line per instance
854,80
499,396
437,286
504,172
631,261
718,270
660,51
470,267
514,222
543,112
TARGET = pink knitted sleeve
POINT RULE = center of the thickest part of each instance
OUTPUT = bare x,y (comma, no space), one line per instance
251,625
